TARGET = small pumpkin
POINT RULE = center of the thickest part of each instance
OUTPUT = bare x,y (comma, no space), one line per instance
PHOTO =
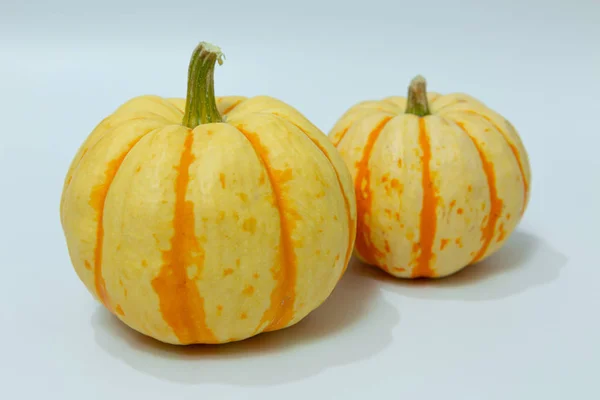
208,220
441,181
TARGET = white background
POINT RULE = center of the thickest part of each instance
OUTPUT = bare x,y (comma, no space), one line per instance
523,325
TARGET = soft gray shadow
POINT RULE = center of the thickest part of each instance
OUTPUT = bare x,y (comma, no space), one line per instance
353,324
524,262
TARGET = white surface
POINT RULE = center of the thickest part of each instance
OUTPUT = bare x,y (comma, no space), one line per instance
523,325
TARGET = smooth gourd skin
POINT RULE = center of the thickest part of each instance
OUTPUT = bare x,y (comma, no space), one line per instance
434,193
212,234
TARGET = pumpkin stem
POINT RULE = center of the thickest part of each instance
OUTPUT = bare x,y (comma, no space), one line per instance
201,104
417,103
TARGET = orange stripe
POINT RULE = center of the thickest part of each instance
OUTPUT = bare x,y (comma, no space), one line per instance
364,200
231,107
97,201
181,304
281,309
342,134
488,231
351,223
428,210
77,161
515,152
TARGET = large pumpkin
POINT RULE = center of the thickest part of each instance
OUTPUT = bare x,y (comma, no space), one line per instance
440,181
208,220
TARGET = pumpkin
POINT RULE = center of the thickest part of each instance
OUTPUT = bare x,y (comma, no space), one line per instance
441,181
208,220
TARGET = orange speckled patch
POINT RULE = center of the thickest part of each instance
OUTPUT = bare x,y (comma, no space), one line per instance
222,180
399,163
458,242
243,315
227,271
181,305
250,225
119,310
87,265
444,243
387,247
460,211
243,197
144,263
364,199
255,275
248,290
219,310
452,204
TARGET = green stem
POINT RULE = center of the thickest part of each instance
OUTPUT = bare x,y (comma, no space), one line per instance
201,104
416,102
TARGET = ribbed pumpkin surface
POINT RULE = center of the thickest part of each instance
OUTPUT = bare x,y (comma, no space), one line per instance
434,193
211,234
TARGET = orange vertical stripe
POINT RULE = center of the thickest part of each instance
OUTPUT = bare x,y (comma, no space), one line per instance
515,152
181,304
231,107
364,199
337,141
351,223
281,309
97,201
496,204
428,210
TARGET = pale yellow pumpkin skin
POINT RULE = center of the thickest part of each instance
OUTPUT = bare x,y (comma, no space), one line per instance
208,235
471,162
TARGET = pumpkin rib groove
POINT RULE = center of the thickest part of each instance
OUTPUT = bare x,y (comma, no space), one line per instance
163,102
281,309
364,245
496,204
351,226
97,201
438,111
428,216
515,152
181,304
